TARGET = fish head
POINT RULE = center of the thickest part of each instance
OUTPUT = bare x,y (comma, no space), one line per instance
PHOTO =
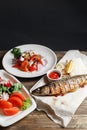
41,91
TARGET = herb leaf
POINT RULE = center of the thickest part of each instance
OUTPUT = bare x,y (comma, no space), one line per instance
16,52
15,87
26,104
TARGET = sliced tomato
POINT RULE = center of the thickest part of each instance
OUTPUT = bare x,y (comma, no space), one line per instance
5,104
40,62
16,101
11,111
33,67
24,65
18,94
35,57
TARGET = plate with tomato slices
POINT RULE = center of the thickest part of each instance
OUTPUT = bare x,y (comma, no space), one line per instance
29,60
15,100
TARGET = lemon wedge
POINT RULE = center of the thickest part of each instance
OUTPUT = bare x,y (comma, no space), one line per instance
69,67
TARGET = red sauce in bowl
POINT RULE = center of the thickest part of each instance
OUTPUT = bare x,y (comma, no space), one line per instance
54,75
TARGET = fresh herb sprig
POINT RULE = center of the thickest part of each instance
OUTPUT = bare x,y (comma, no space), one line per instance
16,87
16,52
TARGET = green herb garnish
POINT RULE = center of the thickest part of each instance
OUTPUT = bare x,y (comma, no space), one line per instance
26,104
15,87
4,89
16,52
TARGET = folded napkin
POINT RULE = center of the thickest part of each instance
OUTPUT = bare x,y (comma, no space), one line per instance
62,108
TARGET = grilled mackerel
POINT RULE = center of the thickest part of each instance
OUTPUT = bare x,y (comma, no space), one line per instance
61,86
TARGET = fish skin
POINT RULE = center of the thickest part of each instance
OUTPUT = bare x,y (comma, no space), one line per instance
62,86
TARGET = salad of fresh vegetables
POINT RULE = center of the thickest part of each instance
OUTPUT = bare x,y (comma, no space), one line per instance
28,60
12,100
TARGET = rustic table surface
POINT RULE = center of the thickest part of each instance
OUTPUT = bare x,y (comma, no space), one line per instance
39,120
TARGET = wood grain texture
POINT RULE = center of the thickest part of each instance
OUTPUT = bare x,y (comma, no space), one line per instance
38,120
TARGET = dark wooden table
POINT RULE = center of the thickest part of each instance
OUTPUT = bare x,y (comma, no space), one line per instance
39,120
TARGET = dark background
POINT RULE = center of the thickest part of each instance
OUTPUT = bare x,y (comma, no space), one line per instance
58,24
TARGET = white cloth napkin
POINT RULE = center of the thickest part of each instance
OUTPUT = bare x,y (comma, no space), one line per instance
62,108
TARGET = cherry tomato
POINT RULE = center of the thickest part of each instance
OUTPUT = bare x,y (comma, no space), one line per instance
8,84
11,111
16,101
18,94
33,67
5,104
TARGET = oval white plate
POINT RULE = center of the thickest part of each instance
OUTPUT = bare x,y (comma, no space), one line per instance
8,120
47,53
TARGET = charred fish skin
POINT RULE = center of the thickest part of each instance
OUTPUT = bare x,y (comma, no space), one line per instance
61,86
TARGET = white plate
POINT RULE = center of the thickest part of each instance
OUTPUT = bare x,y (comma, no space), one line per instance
47,53
8,120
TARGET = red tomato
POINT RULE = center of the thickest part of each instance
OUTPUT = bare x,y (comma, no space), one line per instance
40,62
5,104
16,101
35,57
18,94
24,65
8,84
33,67
11,111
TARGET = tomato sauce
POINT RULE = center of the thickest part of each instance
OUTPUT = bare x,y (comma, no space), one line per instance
54,75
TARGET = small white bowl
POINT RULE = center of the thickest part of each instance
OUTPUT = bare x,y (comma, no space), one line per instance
54,75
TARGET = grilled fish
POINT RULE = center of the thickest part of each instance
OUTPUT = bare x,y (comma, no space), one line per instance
61,86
